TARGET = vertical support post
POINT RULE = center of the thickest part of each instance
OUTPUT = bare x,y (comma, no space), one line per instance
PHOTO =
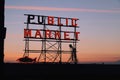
44,42
2,36
60,46
2,31
75,45
26,44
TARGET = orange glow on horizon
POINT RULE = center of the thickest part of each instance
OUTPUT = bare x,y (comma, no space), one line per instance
86,57
88,50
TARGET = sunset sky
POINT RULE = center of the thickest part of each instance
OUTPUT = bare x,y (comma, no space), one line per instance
99,22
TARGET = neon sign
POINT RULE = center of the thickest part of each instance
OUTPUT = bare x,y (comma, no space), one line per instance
51,21
53,35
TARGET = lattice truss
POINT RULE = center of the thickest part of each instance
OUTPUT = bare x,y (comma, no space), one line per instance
51,48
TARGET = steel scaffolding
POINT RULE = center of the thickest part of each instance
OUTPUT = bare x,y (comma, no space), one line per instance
51,48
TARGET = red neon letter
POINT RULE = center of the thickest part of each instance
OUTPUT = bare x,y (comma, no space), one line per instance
37,34
27,33
50,20
74,22
65,36
48,34
66,21
76,34
59,22
57,35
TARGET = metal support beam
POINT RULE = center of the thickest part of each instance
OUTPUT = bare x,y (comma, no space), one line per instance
51,47
2,31
2,37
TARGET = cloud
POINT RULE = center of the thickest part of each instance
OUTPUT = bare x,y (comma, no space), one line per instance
60,9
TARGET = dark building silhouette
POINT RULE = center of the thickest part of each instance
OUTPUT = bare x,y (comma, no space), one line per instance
2,37
2,31
26,59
